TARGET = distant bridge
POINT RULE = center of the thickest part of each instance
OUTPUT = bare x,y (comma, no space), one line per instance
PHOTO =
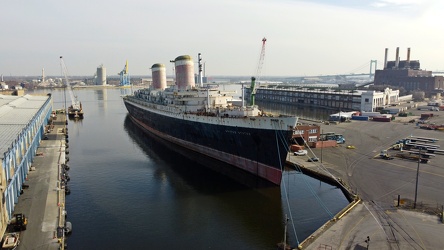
370,74
372,64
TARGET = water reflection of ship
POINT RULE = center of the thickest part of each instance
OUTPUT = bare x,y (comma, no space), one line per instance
239,193
198,163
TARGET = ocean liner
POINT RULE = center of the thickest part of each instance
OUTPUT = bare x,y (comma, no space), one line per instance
205,119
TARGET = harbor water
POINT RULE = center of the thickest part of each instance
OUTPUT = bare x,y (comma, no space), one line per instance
130,190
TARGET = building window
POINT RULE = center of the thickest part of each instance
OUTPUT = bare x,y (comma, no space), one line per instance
298,132
312,139
366,100
313,131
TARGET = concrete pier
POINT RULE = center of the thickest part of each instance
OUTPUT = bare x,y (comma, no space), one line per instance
383,214
43,202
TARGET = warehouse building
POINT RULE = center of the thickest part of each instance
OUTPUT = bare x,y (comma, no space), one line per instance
344,100
22,127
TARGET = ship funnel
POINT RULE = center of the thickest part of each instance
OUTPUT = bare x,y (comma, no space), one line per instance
158,73
184,66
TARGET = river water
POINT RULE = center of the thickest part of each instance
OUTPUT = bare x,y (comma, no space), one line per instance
132,191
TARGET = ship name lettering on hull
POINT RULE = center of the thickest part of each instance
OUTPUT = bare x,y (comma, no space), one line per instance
237,132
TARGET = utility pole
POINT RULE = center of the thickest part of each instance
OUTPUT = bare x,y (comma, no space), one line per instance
417,175
322,146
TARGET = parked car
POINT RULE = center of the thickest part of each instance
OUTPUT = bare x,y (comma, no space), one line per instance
313,159
300,152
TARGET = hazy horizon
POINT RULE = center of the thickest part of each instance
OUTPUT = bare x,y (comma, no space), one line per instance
304,38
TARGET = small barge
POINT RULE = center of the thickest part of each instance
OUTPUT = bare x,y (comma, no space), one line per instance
75,111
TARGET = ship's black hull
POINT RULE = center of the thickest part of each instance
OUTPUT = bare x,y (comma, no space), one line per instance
261,152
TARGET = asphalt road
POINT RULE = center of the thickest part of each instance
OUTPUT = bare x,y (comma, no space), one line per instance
378,183
382,180
41,201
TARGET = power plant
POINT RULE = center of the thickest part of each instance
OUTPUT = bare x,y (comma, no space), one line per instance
408,75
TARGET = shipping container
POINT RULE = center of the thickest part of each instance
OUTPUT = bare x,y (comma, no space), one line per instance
381,119
360,118
426,116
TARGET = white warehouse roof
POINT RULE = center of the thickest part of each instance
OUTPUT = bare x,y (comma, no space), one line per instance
16,112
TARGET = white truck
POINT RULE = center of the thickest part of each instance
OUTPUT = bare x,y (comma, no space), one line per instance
300,152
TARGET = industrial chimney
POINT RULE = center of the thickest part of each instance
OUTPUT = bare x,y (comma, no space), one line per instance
407,63
397,58
385,58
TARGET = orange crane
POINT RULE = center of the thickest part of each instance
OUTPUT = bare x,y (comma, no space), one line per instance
258,73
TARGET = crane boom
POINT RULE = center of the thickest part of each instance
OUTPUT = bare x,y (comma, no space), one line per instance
74,102
261,60
124,76
258,72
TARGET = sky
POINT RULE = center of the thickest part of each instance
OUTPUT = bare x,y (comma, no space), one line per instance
304,38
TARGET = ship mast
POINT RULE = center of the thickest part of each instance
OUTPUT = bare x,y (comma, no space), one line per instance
200,76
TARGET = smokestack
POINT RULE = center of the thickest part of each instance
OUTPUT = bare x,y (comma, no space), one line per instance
407,64
385,58
397,58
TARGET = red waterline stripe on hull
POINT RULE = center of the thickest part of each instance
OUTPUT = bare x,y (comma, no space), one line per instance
258,169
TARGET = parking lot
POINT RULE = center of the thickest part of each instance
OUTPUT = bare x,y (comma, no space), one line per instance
382,185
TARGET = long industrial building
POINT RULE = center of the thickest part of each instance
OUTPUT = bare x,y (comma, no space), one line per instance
22,127
345,100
